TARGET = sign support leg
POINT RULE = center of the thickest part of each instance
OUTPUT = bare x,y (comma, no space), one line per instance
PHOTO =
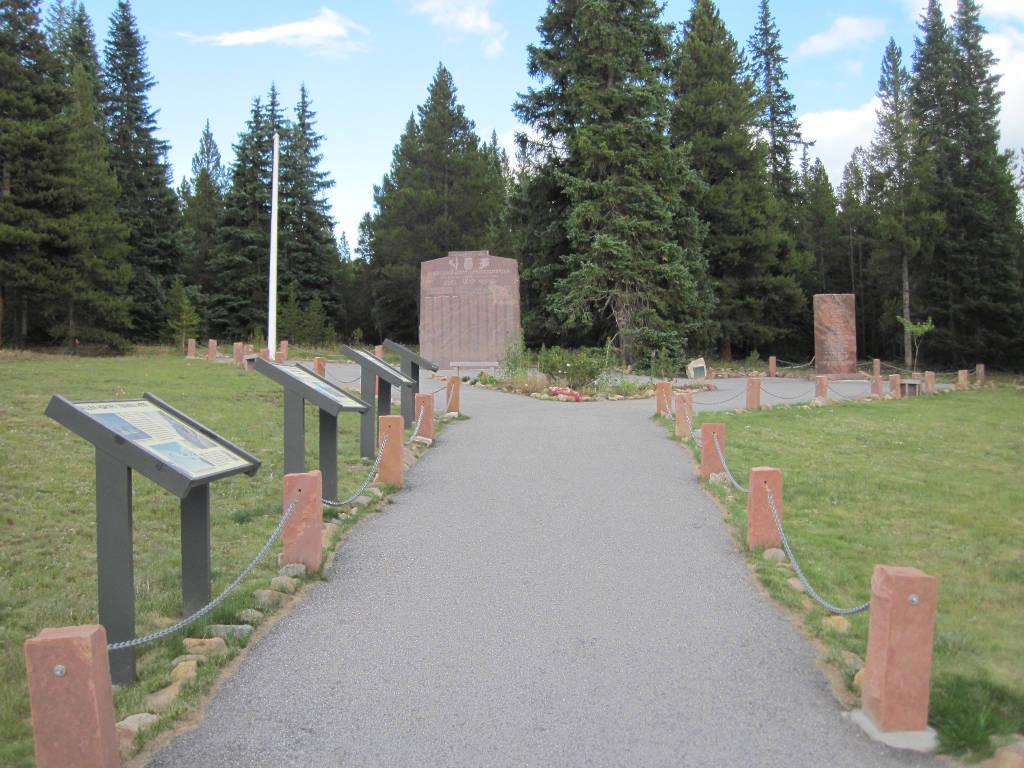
368,419
329,454
195,550
115,561
294,433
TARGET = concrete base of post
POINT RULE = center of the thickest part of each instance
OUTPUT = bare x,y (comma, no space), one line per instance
425,403
71,699
710,463
895,386
303,541
451,397
663,399
916,741
392,470
753,394
821,387
762,532
684,409
772,366
320,366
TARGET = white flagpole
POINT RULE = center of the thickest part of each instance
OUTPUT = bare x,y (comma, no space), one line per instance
272,304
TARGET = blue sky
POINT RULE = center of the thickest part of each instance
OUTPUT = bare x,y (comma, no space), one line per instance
367,65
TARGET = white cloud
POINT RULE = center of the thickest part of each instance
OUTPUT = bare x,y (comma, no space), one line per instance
1008,46
844,33
836,133
472,17
1004,9
327,33
854,66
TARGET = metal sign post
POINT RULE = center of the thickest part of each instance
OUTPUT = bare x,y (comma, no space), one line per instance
385,375
177,453
410,364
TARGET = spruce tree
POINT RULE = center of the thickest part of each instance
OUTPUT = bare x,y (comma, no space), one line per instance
715,111
148,205
634,240
202,198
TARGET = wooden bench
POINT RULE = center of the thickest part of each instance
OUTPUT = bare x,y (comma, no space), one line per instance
458,366
249,360
910,387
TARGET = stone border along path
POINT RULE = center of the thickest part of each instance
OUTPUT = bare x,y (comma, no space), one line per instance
550,587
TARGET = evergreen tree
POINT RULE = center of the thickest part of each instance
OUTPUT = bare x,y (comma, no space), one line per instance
182,318
634,240
202,198
858,226
819,233
715,111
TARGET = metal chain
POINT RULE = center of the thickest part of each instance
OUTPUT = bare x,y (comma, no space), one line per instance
369,477
782,397
718,447
416,431
726,400
668,405
799,572
216,601
689,425
791,364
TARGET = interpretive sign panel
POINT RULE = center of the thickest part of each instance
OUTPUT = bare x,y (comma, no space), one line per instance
380,368
375,380
313,388
469,307
410,364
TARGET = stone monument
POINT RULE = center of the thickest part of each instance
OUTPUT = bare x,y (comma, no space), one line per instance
469,307
835,334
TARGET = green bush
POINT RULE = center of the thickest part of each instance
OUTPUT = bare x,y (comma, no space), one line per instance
516,359
577,369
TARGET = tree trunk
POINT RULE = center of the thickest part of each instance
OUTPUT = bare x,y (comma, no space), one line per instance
906,310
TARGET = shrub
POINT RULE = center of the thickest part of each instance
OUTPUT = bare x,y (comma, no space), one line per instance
577,369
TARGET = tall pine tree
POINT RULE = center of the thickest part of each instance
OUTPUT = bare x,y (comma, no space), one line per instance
202,198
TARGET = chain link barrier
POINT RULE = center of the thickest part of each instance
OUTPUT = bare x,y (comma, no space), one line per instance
416,431
799,571
790,364
725,465
366,482
689,426
783,397
216,601
726,400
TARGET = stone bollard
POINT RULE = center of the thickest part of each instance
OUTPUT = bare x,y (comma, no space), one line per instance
761,529
897,673
426,402
772,366
236,353
753,394
895,386
391,470
250,349
710,462
211,352
303,542
929,382
265,354
191,348
663,399
979,374
71,698
963,380
684,409
451,398
320,366
876,387
282,352
821,387
876,367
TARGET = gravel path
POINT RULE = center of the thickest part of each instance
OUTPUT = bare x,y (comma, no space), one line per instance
550,588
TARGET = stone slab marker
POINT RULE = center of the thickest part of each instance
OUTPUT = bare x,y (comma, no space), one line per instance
753,394
391,470
821,387
451,398
895,386
710,463
772,366
211,352
761,529
469,307
663,398
835,334
684,410
303,542
236,353
320,366
425,402
929,382
897,674
876,387
71,698
191,348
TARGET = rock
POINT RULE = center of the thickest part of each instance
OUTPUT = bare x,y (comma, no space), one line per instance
185,670
806,602
268,598
1011,756
858,680
128,729
424,440
362,501
205,645
196,657
250,616
838,623
774,554
229,631
719,477
162,699
853,661
795,583
293,570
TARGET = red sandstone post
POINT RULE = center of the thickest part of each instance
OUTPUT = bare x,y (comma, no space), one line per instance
249,349
663,398
320,366
684,409
391,470
452,389
963,379
979,374
929,382
282,351
710,463
211,352
897,674
191,348
876,386
265,354
761,529
425,402
71,699
876,367
895,386
303,542
772,366
236,353
821,387
753,393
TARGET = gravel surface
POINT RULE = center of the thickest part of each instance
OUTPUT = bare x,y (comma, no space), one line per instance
550,588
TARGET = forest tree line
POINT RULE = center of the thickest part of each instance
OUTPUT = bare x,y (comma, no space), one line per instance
663,198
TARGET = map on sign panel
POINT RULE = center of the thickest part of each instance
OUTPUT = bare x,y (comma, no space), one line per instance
325,388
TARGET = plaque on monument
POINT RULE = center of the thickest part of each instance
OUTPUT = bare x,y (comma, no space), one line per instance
469,307
835,334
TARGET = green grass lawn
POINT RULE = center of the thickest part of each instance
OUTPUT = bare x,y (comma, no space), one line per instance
935,483
48,513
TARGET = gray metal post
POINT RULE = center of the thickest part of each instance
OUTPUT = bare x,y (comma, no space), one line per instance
383,397
368,419
329,454
114,561
294,433
195,549
412,370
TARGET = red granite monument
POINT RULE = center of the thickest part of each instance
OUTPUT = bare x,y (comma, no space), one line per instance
835,334
469,307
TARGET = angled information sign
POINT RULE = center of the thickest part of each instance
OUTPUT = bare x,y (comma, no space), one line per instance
373,369
410,363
